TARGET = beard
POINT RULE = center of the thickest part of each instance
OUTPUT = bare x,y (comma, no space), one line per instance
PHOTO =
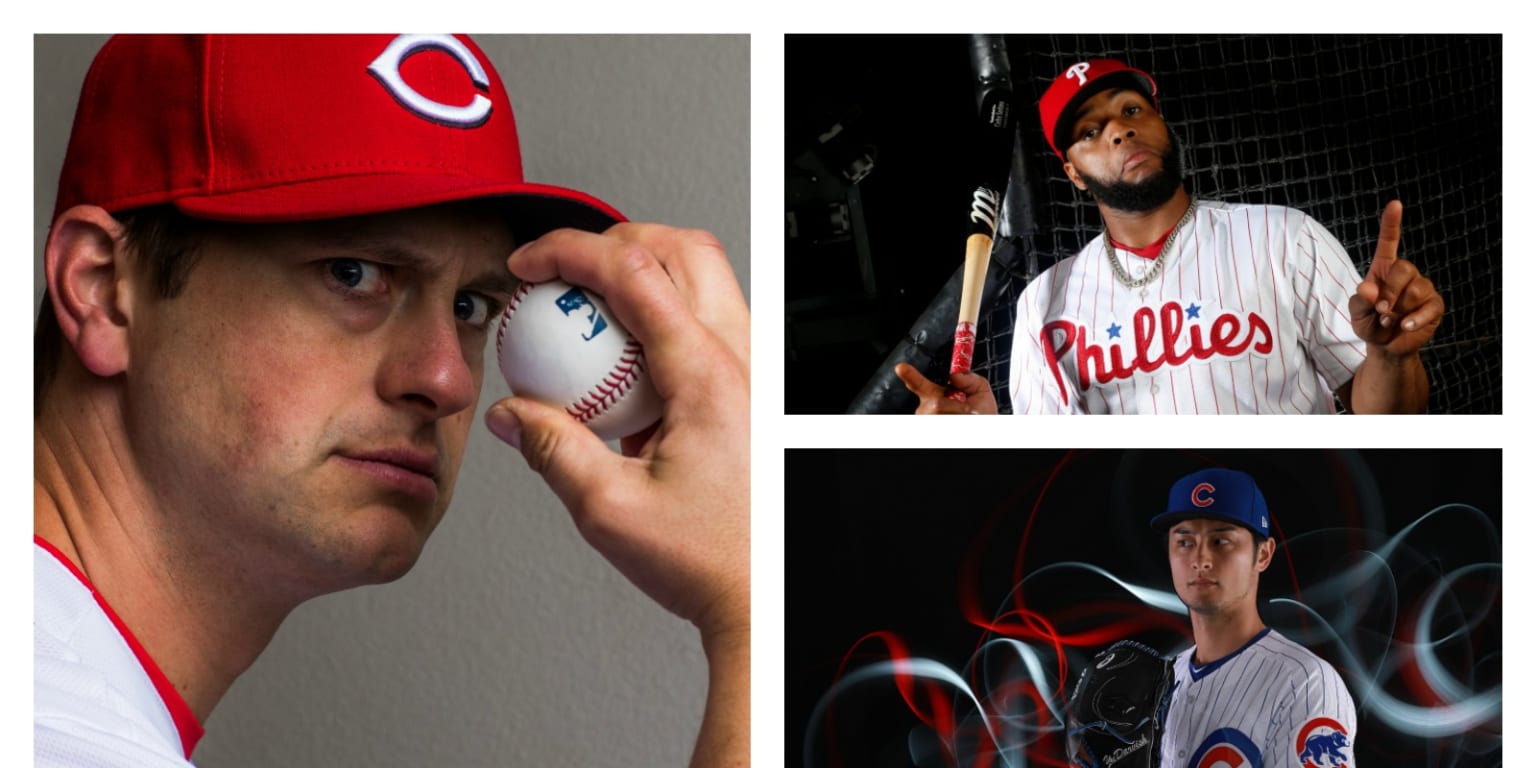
1145,195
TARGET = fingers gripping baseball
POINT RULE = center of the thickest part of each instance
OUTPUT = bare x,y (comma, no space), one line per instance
672,515
1395,307
672,288
703,276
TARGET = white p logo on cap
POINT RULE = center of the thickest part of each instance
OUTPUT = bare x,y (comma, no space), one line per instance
1079,71
387,69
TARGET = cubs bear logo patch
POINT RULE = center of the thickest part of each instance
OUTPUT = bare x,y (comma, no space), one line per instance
1321,744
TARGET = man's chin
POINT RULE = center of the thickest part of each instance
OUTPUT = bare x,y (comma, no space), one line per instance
377,545
1202,607
392,566
1146,187
1138,197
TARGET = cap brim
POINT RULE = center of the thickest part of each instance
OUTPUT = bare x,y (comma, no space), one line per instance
533,209
1167,520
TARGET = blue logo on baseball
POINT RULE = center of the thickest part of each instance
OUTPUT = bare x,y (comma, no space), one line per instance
573,300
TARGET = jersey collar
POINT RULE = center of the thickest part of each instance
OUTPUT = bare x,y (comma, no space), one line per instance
1197,672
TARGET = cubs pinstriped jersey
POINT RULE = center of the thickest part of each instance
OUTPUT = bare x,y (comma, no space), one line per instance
1270,704
1250,314
97,698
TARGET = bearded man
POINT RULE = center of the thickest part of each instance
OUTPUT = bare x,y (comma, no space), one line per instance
1190,306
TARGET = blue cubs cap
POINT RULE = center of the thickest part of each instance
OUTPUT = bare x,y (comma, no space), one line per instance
1217,494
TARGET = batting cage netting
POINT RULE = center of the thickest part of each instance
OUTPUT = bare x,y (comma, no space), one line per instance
1333,125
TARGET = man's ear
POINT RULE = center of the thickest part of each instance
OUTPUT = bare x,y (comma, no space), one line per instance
1077,181
87,271
1266,554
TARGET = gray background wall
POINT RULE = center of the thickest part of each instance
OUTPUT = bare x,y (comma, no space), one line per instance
511,643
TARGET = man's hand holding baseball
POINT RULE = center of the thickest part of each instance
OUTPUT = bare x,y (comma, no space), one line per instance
672,513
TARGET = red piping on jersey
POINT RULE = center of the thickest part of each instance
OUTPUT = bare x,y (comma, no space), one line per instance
1148,251
186,723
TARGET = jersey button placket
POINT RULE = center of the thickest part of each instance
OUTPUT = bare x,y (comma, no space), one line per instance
1146,391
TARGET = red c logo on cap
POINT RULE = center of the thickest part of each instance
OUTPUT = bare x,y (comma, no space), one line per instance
1201,496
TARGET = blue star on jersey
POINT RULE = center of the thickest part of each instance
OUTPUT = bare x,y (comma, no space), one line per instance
1193,310
1114,330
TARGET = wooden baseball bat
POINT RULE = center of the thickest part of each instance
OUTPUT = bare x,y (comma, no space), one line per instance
994,101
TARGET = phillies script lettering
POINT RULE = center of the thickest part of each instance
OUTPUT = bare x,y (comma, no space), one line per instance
1158,337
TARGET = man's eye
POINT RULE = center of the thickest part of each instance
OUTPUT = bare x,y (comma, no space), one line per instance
1131,110
355,275
1088,134
473,309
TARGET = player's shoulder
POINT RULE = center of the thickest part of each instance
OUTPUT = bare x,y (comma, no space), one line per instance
1271,216
1039,288
1299,661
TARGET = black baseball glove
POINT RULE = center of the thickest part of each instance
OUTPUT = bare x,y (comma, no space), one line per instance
1116,714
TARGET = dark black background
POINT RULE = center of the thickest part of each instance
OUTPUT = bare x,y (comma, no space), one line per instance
1333,125
880,540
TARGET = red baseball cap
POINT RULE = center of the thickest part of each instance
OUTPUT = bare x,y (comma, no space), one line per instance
268,128
1076,84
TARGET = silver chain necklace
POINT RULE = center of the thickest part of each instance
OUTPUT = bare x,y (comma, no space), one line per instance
1157,266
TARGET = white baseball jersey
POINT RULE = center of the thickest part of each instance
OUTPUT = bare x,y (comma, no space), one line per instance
1249,315
1270,704
98,699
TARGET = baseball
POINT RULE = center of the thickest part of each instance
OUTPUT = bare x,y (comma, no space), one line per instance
562,345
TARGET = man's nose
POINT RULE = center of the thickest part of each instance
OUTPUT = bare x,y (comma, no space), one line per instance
1202,560
426,366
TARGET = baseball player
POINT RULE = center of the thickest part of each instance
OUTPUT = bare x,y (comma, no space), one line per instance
271,269
1188,306
1243,695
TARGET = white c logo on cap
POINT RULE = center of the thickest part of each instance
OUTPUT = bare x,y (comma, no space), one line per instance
1079,71
387,69
1205,500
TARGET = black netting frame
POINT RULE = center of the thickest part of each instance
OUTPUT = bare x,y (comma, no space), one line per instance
1332,125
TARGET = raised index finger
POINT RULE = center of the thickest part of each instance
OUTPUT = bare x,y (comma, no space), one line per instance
1387,241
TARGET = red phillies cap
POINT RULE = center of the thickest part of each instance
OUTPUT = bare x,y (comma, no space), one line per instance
1076,84
267,128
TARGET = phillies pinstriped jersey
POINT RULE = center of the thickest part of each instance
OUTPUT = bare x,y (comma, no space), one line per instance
1250,314
1270,704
